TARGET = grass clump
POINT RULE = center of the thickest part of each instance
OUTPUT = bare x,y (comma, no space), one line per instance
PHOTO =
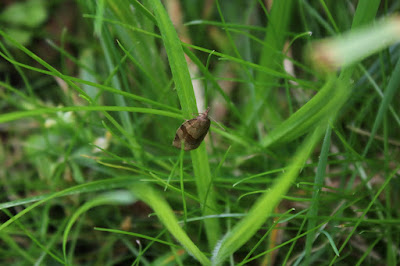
302,166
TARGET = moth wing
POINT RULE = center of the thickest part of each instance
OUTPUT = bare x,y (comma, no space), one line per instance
198,128
192,133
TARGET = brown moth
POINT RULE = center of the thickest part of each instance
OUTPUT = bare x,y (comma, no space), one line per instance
192,132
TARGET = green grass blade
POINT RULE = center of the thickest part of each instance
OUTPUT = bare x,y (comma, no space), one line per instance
114,198
365,12
361,218
264,206
391,89
167,217
88,187
41,111
318,182
320,108
187,100
271,58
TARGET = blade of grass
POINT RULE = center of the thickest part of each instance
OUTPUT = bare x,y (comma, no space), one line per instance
264,206
21,73
391,89
88,187
41,61
114,198
365,12
187,100
318,182
167,217
46,249
271,58
143,47
361,218
115,231
85,82
120,83
211,78
41,111
327,102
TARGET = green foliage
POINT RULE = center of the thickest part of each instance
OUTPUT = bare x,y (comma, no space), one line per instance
20,18
300,169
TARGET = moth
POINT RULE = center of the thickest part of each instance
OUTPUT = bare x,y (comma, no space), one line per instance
192,132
